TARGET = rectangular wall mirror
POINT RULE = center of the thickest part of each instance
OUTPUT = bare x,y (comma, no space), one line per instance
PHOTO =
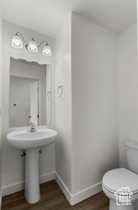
27,99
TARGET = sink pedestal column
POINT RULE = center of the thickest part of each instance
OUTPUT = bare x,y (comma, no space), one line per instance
32,186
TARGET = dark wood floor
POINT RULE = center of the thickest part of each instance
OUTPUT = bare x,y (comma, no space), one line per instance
53,199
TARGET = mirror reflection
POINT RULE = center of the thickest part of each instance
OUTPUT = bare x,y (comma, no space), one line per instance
27,93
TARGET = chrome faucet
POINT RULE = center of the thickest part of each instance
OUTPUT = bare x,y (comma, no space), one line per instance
32,126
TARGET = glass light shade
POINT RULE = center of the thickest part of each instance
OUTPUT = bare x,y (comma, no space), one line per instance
32,46
17,42
46,51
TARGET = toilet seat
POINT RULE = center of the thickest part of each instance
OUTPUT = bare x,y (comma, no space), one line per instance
121,177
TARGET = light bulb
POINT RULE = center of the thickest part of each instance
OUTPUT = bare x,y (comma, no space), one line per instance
46,51
17,42
32,46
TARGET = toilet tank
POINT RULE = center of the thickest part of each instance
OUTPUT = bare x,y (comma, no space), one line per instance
132,156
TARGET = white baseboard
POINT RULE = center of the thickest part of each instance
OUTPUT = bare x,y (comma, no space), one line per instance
80,196
86,193
12,188
47,177
16,187
64,188
72,198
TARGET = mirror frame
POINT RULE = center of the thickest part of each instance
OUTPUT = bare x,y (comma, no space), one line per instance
6,83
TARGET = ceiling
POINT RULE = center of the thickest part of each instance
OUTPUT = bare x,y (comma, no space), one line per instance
46,16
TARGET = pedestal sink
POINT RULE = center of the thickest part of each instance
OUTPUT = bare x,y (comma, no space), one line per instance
31,142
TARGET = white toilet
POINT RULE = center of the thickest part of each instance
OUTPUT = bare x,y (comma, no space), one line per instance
122,178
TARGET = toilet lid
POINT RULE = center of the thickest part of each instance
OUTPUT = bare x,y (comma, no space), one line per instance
117,178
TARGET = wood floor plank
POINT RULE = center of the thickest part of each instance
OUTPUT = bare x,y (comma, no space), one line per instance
53,199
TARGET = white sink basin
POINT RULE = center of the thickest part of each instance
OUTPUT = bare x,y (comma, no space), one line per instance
23,139
31,142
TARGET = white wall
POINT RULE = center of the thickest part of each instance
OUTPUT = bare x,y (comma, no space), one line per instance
63,104
13,173
0,103
0,72
127,89
93,102
86,113
103,105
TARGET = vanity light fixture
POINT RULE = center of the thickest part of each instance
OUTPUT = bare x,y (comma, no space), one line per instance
46,50
32,46
17,41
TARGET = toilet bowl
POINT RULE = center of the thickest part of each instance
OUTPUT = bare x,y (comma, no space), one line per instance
117,179
121,185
